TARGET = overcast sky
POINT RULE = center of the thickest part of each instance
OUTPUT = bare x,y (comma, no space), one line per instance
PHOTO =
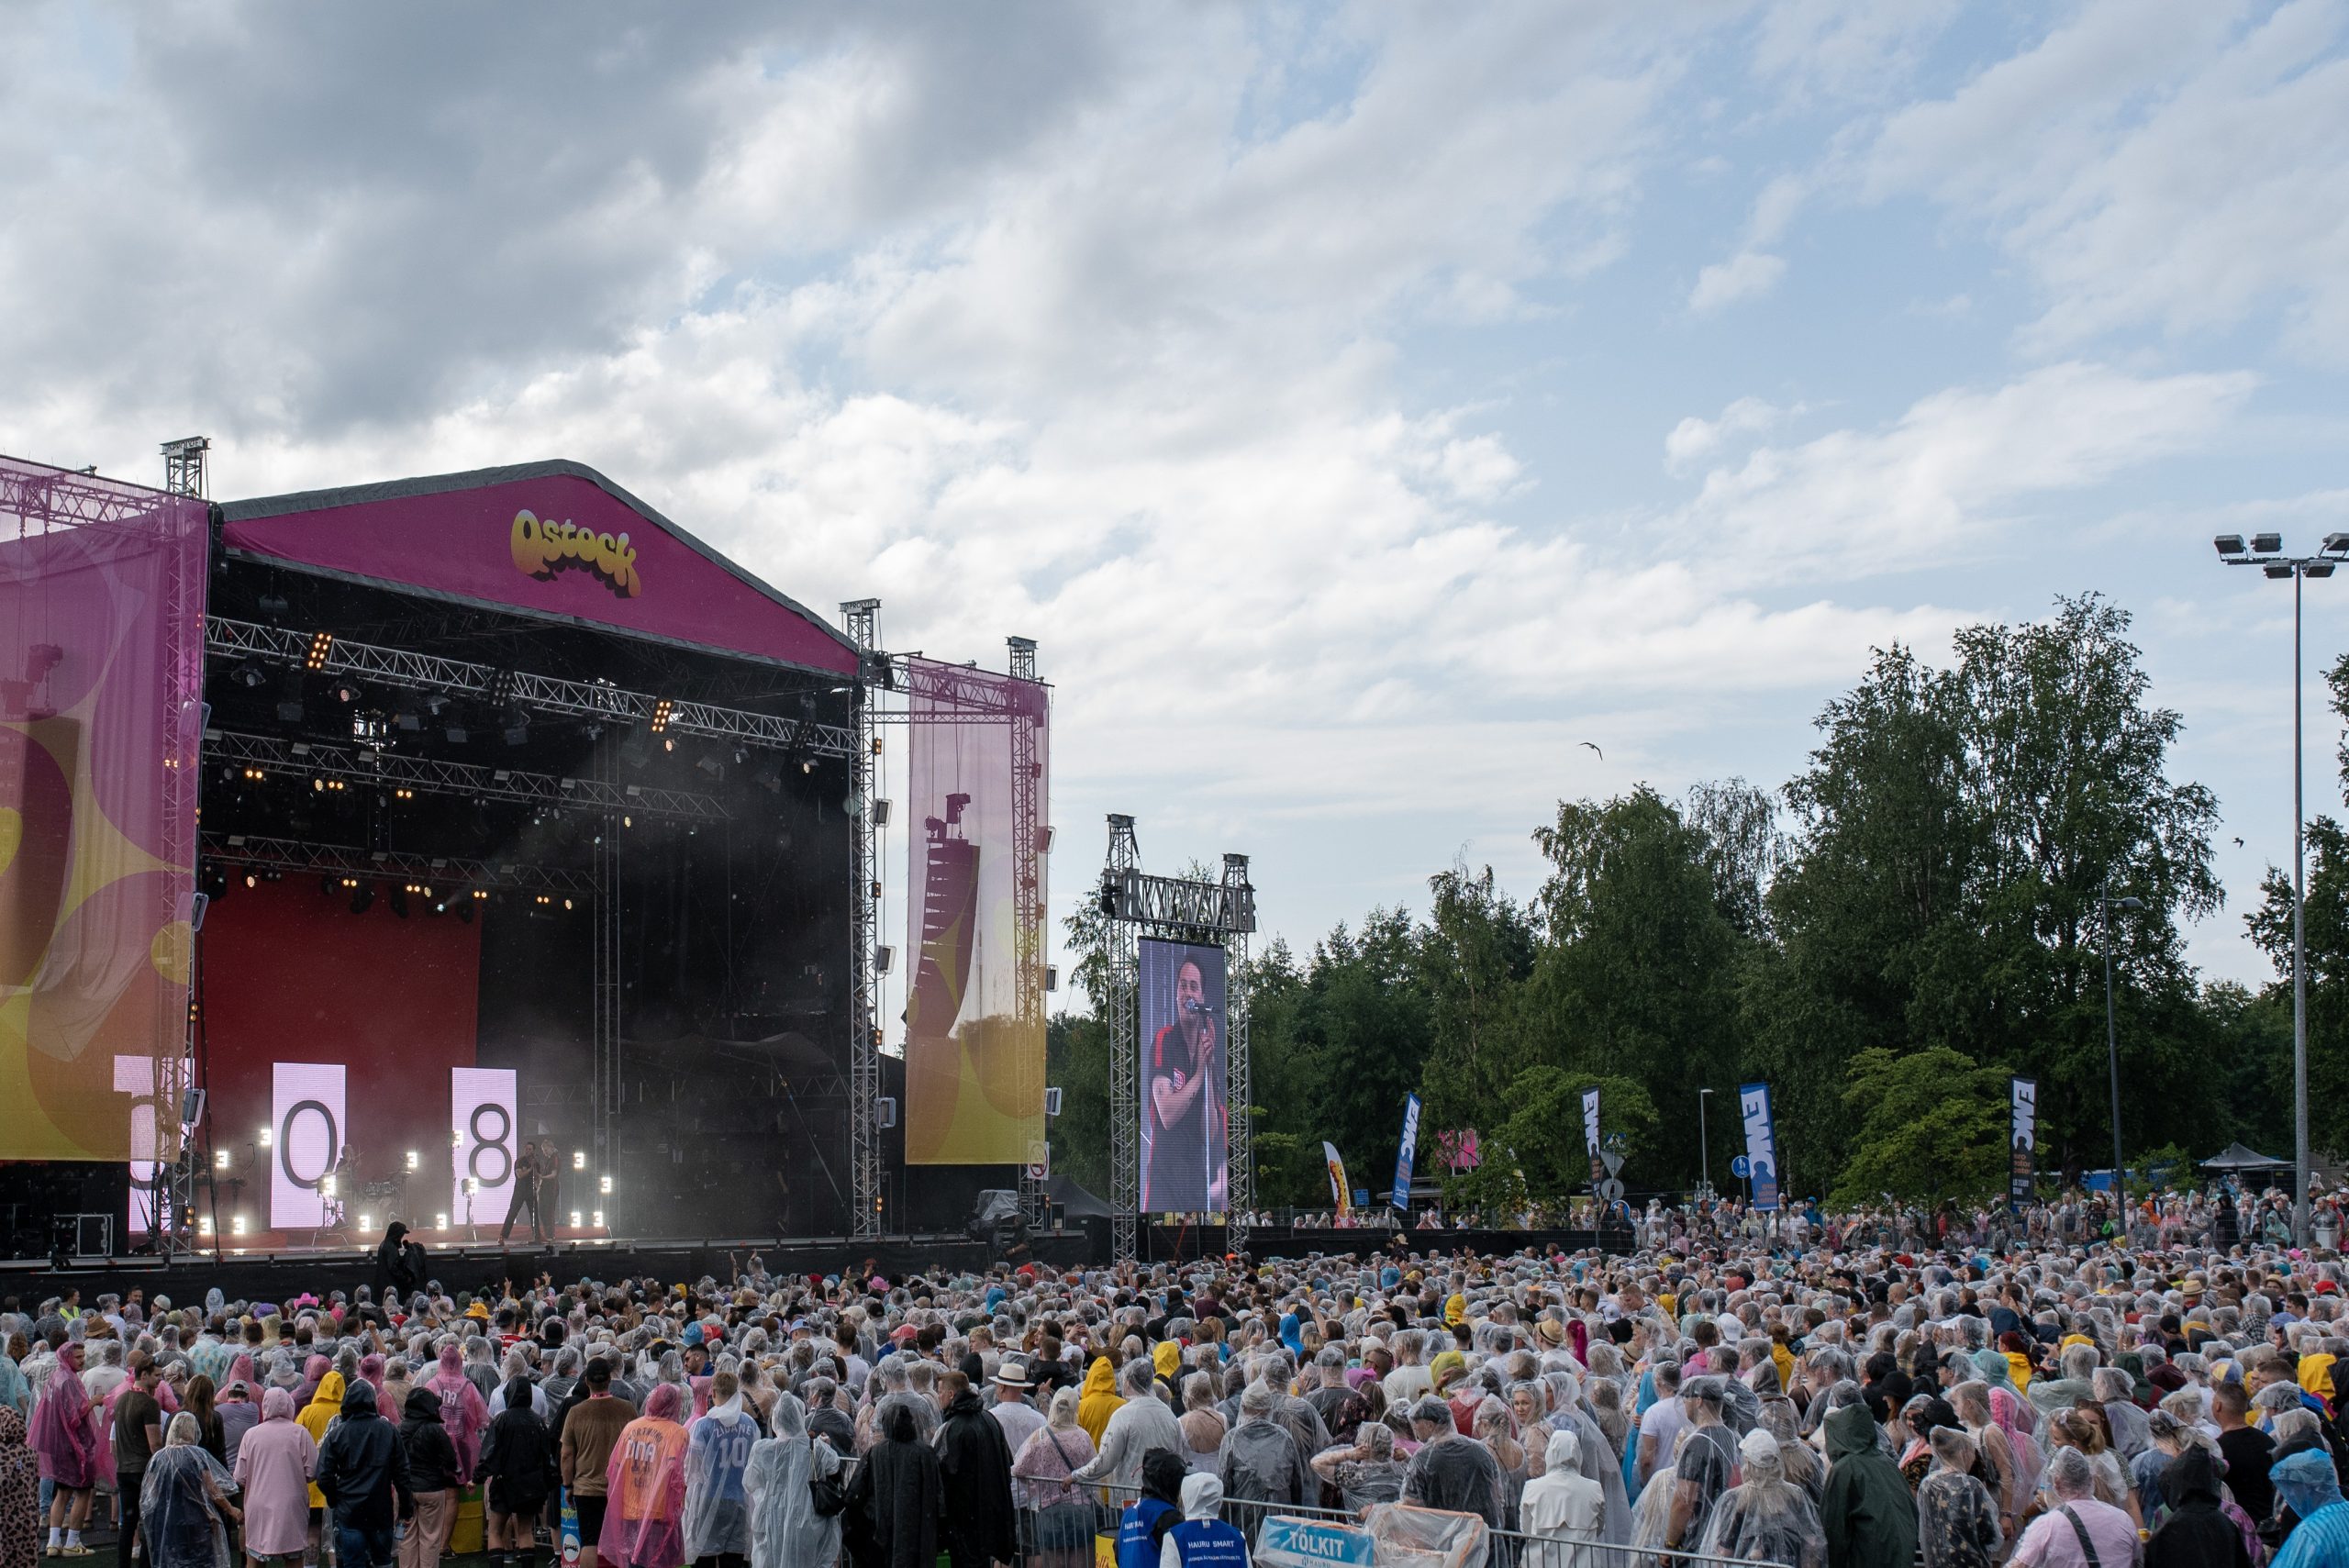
1363,406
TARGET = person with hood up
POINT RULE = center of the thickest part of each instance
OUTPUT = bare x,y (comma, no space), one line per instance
1957,1516
785,1529
184,1507
318,1412
2197,1533
1865,1509
274,1464
1138,1424
718,1455
1563,1504
1262,1463
897,1499
519,1461
363,1474
1767,1518
2306,1484
463,1410
1203,1540
65,1437
1142,1526
1100,1399
399,1264
2077,1528
975,1478
645,1488
431,1480
1450,1470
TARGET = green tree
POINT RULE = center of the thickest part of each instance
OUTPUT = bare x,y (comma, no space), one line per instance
1932,1125
1544,1132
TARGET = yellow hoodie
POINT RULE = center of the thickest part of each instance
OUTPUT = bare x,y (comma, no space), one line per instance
324,1406
1100,1400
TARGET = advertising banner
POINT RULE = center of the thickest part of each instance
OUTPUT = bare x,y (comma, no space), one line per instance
101,691
2022,1139
483,1103
974,1015
1403,1156
1590,1135
1185,1077
1761,1144
306,1127
1339,1189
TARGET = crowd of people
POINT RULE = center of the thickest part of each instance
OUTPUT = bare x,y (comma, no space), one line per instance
2052,1401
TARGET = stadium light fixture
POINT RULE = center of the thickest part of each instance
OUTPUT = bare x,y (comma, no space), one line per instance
2231,545
2299,569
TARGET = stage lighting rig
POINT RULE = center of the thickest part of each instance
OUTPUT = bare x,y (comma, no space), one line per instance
363,898
321,644
661,711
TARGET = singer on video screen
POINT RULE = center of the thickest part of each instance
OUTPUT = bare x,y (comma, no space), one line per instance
1183,1108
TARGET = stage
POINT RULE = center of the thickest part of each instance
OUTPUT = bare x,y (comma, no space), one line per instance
277,1276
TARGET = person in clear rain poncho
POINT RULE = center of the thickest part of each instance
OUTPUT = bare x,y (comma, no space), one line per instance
1768,1518
183,1506
785,1529
718,1455
1564,1504
645,1482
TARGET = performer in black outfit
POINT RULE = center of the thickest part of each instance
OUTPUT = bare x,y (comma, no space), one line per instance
532,1169
1185,1175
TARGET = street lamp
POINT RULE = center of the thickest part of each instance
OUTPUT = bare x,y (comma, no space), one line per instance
1704,1161
2267,553
2106,903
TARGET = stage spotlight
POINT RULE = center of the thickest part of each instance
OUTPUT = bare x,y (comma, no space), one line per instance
439,907
661,715
399,902
413,1163
741,754
604,1185
250,880
252,672
599,1220
363,898
576,1224
768,777
273,604
439,1221
289,697
220,1160
712,766
465,911
806,765
261,1137
236,1224
321,644
346,691
579,1159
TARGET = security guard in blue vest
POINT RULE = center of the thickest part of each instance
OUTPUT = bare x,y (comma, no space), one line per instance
1159,1509
1203,1540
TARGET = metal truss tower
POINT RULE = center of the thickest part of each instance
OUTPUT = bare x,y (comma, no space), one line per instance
1125,1048
860,618
1239,897
1028,831
177,1145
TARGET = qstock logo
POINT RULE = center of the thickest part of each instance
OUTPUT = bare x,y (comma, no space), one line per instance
542,548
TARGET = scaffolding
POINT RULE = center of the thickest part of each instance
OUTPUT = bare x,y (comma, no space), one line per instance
1204,914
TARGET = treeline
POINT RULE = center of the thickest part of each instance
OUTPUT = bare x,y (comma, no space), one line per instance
1883,939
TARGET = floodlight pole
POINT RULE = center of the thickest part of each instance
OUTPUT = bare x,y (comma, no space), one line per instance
2266,550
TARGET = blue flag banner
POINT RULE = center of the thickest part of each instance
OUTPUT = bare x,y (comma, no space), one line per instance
1761,1144
1402,1196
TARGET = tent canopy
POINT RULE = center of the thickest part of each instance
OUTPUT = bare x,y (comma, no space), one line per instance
1074,1201
2235,1157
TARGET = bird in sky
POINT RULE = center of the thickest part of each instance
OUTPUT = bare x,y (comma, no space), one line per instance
1594,746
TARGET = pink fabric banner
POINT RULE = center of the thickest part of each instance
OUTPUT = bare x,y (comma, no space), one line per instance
101,664
553,541
975,1015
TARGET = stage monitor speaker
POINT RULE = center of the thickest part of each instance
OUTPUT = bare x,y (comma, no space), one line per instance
196,909
192,1108
885,1111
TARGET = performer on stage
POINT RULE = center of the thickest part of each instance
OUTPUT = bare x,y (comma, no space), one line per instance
1184,1173
533,1168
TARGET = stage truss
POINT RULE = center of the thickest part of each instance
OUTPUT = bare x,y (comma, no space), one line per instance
1203,914
861,617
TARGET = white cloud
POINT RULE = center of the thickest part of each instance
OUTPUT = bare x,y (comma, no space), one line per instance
1742,276
1945,480
1694,440
2181,165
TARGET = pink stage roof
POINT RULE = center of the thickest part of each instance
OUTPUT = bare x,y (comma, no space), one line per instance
553,540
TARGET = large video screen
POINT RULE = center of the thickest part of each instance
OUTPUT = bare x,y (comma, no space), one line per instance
1180,999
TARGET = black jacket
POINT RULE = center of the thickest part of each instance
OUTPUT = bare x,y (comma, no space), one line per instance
518,1454
432,1454
895,1501
363,1466
2195,1534
974,1469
